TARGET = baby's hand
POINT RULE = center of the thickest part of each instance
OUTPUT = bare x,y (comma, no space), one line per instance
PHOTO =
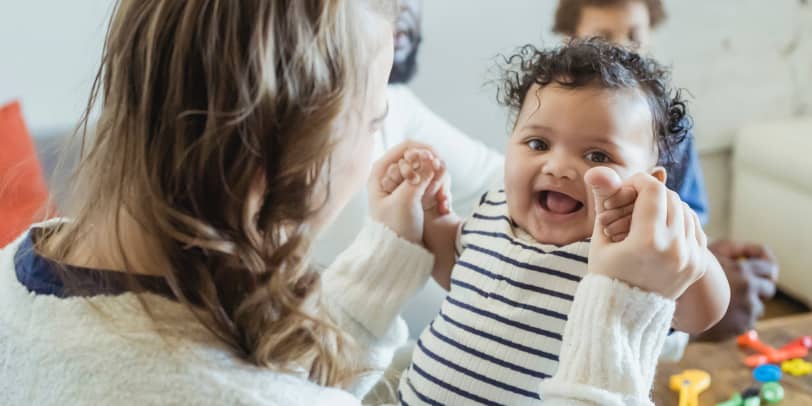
615,217
436,199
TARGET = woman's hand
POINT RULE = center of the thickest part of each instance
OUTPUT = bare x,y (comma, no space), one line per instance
401,209
664,250
437,198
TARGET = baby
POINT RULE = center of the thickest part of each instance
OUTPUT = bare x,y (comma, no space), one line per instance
513,266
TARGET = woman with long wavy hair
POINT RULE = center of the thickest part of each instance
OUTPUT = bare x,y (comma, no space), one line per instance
229,133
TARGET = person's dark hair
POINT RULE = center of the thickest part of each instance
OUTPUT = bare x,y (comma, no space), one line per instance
403,71
595,62
568,14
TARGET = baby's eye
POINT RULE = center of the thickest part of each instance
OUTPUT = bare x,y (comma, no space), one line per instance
598,157
537,145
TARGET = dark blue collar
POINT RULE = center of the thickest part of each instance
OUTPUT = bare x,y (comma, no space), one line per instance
43,276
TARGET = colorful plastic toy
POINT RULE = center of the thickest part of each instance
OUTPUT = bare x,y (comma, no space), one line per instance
805,341
690,383
752,396
735,400
738,400
767,373
795,349
796,367
772,392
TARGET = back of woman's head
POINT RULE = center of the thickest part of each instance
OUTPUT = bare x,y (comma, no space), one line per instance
201,102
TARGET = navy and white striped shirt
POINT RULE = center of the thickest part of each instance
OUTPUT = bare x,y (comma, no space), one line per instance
500,328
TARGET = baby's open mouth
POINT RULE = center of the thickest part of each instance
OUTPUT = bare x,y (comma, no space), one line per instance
558,203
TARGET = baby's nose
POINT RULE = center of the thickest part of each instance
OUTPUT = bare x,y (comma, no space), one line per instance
559,166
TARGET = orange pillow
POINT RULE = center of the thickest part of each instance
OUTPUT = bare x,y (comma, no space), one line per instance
23,192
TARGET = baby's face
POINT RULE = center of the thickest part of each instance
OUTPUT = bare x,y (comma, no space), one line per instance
559,135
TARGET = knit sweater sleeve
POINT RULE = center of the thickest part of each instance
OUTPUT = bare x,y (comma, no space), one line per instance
366,288
612,340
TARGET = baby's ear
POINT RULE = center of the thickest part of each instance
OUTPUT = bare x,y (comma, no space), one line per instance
660,173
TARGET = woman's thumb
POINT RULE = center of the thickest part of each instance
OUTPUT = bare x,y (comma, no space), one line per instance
604,182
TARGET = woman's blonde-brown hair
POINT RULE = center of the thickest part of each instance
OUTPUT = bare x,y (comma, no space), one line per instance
198,101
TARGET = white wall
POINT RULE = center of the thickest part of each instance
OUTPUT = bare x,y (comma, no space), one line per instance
49,52
742,59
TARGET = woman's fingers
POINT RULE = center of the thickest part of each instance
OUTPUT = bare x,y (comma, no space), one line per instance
624,197
616,222
409,174
619,237
613,215
651,207
618,227
392,179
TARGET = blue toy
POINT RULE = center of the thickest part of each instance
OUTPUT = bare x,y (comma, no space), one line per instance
767,373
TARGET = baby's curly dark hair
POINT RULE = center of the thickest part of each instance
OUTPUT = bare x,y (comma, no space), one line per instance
595,62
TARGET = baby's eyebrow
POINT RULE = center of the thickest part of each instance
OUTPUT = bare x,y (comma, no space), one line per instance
537,127
599,138
603,141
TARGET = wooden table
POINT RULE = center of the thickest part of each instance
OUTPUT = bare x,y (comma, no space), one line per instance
724,362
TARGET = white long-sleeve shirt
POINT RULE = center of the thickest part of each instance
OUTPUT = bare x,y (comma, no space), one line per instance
474,169
105,349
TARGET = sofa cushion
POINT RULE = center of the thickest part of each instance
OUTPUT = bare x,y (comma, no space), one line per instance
23,192
779,151
771,197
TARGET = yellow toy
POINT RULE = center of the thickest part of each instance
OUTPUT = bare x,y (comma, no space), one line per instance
690,383
796,367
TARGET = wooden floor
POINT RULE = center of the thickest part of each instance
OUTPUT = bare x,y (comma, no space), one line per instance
724,362
782,305
784,319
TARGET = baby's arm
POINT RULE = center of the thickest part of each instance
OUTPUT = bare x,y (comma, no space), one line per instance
440,236
441,225
705,302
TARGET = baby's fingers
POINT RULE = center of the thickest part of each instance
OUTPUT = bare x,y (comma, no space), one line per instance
414,155
392,178
409,171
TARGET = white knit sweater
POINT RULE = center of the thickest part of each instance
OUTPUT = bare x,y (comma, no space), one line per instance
105,349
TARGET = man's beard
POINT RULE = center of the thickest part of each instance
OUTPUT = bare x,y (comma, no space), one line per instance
404,71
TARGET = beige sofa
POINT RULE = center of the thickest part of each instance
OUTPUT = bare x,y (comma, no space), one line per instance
771,197
759,184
